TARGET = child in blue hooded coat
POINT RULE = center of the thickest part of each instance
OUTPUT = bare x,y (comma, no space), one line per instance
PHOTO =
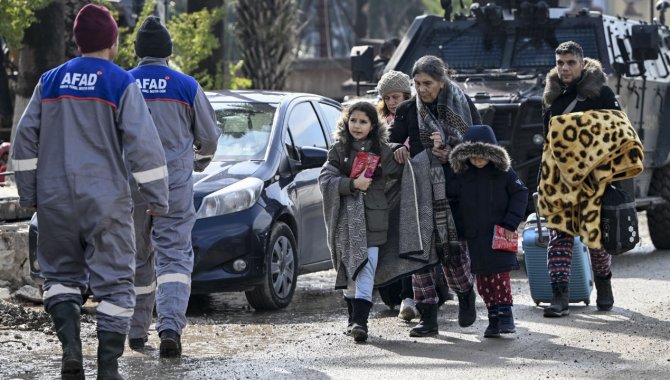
489,193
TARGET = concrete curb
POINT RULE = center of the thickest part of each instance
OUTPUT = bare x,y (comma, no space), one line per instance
14,263
9,204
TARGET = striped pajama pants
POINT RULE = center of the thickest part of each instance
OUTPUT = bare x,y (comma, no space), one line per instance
458,276
559,258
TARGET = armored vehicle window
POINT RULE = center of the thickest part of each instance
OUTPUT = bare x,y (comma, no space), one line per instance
538,51
469,48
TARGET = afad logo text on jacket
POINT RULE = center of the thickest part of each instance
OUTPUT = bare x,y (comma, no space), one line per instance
79,81
152,85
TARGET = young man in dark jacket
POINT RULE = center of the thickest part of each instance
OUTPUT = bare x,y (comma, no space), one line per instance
575,84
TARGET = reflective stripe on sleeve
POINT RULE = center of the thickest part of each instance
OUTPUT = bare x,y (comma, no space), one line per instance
24,165
140,290
112,310
174,277
203,157
59,289
151,175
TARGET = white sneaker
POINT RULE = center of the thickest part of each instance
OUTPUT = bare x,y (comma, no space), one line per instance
408,310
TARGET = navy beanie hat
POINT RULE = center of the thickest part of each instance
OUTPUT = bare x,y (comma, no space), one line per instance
94,29
153,39
480,133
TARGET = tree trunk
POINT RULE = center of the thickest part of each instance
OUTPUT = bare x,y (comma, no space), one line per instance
5,101
215,61
266,30
323,25
43,49
70,10
361,20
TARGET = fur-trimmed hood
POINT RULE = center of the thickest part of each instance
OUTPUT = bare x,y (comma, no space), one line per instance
342,134
589,85
497,155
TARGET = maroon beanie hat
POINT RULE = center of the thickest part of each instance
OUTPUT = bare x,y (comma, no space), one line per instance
94,29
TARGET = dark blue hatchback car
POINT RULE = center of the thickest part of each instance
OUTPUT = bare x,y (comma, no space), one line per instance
259,209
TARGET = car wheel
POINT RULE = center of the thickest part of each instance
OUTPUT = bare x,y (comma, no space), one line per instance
281,274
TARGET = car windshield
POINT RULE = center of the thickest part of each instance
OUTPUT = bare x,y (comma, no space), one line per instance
245,130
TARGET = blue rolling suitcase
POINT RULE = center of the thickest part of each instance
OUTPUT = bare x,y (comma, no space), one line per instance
535,261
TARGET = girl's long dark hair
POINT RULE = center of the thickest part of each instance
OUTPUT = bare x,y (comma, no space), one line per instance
375,134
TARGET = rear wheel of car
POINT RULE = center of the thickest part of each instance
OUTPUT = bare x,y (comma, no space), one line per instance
658,218
282,271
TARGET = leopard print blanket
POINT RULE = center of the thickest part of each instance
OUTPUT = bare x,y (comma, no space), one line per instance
585,151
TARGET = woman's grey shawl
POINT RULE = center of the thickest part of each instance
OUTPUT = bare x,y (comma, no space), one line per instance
409,247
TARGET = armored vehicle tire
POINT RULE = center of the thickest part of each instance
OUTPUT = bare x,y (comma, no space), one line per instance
658,218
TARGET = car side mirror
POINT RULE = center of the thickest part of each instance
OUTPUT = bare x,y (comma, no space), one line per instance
312,157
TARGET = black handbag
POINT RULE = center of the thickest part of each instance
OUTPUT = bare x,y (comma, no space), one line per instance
618,221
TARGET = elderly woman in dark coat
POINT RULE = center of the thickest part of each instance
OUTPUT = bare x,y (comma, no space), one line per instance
490,194
434,121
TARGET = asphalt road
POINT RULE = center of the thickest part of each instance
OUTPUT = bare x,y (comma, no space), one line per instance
227,340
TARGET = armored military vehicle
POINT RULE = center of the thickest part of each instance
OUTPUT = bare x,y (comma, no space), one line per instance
501,52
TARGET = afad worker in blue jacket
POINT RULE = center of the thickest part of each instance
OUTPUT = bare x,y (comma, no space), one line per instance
185,122
86,120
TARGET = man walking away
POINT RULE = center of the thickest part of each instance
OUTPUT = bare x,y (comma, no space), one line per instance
185,121
68,153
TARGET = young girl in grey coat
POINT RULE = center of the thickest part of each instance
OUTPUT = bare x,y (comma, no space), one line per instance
360,130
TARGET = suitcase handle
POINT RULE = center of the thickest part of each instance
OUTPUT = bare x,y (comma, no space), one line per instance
541,240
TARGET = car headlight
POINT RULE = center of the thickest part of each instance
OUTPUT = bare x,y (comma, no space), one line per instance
237,197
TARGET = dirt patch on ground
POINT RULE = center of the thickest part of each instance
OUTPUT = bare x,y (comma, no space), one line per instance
23,318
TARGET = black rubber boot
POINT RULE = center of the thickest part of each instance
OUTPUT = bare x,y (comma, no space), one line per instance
493,329
559,301
467,314
604,298
506,319
137,344
428,323
361,312
66,317
110,349
350,311
170,344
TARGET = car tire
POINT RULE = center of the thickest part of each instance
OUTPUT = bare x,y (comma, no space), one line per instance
281,275
658,217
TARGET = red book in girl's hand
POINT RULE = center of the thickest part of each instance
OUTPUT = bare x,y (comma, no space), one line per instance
364,161
501,243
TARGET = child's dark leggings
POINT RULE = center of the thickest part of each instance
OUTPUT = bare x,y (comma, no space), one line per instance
559,258
495,288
